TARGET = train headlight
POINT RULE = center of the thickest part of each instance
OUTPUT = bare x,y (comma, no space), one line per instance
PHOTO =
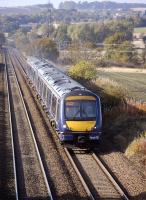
95,128
64,126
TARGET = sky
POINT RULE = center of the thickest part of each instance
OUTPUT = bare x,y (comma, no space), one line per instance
10,3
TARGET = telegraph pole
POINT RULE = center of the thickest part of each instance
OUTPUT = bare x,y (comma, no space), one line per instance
49,18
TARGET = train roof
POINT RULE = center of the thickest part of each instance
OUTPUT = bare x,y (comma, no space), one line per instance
55,78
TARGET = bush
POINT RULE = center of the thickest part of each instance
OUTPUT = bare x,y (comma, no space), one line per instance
83,71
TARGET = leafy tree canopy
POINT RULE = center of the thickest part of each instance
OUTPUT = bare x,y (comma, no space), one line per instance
83,71
117,38
45,48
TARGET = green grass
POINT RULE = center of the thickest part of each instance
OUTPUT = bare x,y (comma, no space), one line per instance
135,83
140,30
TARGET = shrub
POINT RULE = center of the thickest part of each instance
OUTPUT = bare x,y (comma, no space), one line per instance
83,71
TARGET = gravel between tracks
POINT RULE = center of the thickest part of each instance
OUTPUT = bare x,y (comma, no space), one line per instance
98,182
130,177
7,180
63,180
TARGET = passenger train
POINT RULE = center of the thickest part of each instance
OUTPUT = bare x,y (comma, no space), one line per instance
74,111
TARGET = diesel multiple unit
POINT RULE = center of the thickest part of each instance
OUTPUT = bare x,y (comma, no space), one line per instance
74,111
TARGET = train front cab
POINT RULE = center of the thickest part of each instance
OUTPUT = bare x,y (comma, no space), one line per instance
81,118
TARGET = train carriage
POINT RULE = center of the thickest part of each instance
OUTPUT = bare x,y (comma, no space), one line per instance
74,111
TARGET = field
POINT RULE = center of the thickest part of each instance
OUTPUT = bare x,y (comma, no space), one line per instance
132,80
140,30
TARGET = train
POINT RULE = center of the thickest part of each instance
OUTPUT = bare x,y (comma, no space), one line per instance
74,111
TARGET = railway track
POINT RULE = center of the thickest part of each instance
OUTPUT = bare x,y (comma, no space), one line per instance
30,177
97,181
7,185
95,178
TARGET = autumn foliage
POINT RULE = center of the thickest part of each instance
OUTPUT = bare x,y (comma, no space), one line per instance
44,48
83,71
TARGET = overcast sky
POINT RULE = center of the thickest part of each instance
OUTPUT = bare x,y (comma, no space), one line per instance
4,3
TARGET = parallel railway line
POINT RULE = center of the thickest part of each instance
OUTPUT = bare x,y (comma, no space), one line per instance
95,178
30,177
11,130
7,179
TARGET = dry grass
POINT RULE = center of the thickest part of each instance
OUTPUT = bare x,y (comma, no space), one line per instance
137,146
123,69
123,118
124,123
111,93
127,107
137,105
110,87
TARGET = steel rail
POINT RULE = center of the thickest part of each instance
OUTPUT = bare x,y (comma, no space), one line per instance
110,177
11,127
103,168
32,133
89,193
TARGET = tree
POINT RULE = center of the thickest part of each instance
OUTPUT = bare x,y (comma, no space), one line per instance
83,71
119,50
21,39
61,34
45,48
81,32
117,38
44,30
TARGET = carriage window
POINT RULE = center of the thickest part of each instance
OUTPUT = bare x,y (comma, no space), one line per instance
54,101
41,89
39,85
58,110
44,92
48,98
